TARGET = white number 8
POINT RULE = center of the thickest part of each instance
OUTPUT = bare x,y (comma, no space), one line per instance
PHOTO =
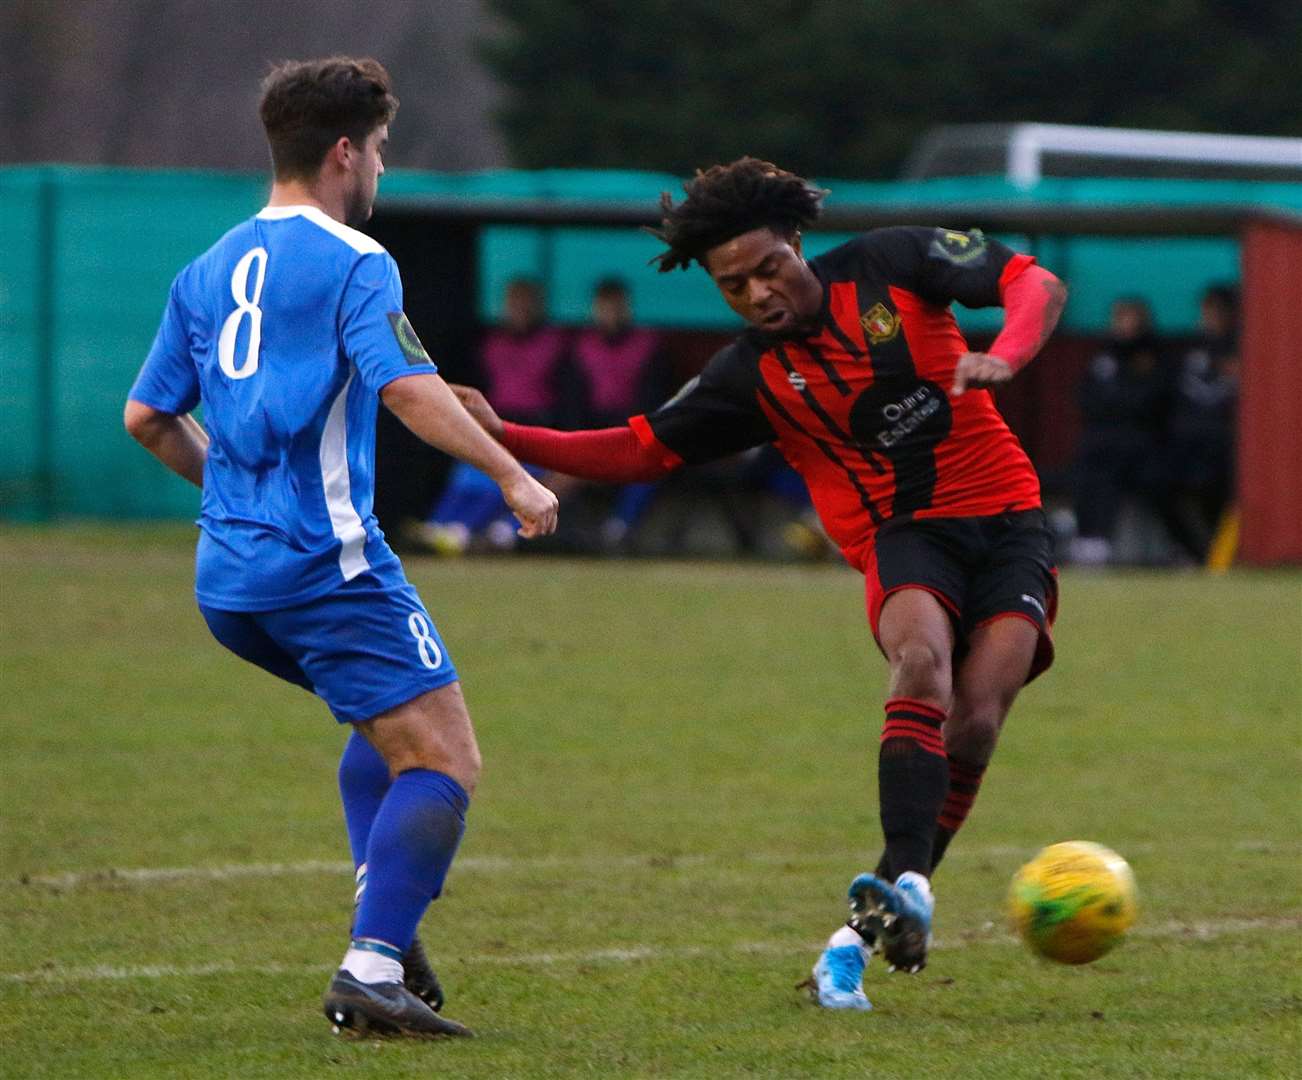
244,304
430,653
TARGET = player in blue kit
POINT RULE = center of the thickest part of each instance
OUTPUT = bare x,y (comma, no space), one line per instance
288,330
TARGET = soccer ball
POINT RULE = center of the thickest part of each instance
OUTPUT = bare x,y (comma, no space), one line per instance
1073,902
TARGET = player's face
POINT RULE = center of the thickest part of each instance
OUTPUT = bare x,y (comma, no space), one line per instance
368,167
766,281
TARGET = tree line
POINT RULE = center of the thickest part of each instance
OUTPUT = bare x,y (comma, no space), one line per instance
845,87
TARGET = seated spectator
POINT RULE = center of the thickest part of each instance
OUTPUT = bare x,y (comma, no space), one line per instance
523,367
523,361
619,371
1124,397
1199,444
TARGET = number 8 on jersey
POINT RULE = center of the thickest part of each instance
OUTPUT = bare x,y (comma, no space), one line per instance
244,305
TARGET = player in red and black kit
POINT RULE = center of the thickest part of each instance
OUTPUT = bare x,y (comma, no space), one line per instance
853,365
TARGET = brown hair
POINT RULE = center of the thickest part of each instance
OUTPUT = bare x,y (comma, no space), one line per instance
727,200
308,105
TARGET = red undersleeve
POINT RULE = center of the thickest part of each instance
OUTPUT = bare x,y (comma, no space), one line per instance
610,455
1027,306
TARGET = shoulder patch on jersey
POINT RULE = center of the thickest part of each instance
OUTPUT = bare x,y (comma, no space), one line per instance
408,342
961,248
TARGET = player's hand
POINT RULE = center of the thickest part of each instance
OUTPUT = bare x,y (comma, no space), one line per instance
533,504
477,406
979,371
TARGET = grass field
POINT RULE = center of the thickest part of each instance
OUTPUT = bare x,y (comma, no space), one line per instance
678,787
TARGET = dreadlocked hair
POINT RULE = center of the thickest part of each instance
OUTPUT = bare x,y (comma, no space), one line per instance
725,201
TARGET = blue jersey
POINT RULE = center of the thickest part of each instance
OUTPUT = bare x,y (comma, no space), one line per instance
286,330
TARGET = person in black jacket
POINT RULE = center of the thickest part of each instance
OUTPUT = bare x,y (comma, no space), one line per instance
1124,400
1198,457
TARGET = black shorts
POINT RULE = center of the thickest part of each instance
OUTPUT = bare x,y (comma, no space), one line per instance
979,568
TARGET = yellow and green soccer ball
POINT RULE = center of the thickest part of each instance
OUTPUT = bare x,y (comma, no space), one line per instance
1073,902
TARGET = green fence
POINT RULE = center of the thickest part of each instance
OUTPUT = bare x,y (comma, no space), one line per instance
89,255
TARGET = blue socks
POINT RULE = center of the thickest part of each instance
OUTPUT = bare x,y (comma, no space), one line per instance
412,838
403,835
363,784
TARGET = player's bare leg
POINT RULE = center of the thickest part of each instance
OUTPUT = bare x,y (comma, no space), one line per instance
429,746
432,731
999,658
917,636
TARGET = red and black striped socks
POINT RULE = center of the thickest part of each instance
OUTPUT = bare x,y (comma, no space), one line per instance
912,780
964,783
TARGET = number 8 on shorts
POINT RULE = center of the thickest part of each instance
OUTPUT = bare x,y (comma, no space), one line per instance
430,653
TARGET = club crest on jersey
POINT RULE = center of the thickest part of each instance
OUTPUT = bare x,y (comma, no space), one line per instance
797,380
408,342
880,323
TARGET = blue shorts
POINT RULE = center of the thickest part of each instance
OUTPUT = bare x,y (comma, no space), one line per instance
363,649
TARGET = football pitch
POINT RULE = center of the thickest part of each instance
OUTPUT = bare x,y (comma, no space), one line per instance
679,784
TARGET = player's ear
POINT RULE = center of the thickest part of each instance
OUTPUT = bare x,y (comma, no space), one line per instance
795,242
341,153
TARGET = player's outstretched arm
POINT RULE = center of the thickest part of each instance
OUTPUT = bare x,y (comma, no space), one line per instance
429,408
1033,302
606,455
177,441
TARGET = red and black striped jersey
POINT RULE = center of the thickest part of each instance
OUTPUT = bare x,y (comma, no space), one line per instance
861,409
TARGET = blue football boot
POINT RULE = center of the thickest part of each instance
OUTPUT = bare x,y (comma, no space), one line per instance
898,916
837,981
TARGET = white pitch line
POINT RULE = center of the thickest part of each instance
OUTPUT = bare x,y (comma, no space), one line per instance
228,871
153,874
989,935
507,864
